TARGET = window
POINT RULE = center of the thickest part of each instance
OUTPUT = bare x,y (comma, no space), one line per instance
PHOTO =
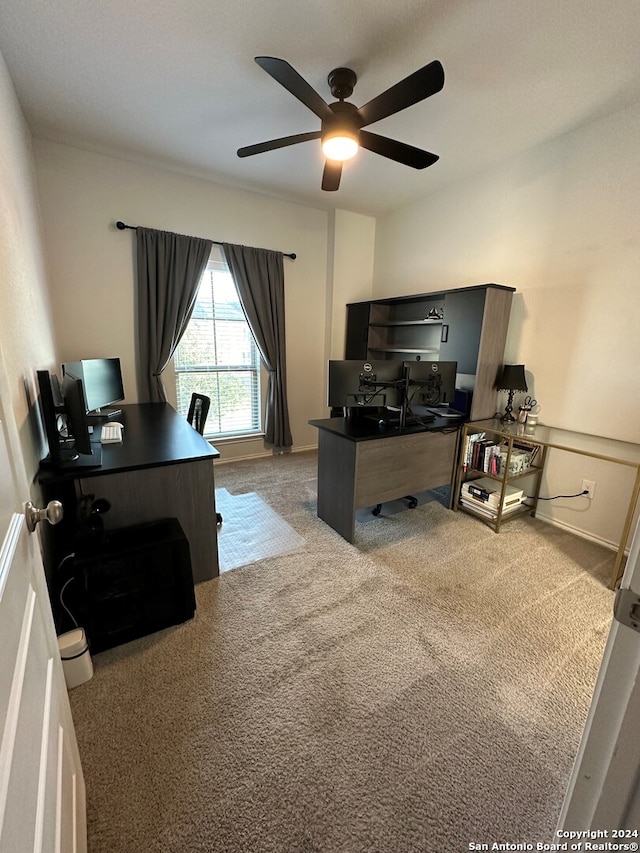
217,356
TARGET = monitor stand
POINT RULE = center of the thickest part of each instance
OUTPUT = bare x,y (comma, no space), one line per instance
68,459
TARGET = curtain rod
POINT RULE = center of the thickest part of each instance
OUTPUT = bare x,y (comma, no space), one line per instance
120,225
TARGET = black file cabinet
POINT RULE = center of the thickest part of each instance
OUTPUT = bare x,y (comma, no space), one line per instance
138,582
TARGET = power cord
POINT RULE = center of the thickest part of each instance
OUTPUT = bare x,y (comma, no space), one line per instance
555,497
65,585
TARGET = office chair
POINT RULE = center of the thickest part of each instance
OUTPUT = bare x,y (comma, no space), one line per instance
197,417
198,411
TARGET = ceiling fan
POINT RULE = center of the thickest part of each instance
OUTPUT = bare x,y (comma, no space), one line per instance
342,122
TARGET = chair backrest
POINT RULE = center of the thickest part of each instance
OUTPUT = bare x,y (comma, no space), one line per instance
198,411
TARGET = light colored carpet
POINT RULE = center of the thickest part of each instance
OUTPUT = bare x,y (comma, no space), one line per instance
422,689
251,531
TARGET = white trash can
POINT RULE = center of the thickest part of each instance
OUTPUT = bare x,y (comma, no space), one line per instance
76,660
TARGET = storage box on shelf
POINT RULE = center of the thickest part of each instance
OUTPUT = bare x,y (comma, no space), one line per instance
491,459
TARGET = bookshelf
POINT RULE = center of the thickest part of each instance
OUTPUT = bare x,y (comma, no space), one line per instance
544,438
498,472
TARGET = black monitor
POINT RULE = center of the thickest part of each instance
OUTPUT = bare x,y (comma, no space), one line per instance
431,383
355,384
52,408
65,424
77,423
101,382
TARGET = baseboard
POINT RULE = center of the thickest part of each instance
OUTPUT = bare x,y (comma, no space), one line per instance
264,454
583,534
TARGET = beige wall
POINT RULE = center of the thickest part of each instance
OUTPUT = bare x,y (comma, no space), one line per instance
561,225
352,268
26,339
92,271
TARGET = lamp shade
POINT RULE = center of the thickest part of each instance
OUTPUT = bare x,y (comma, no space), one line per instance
341,146
512,378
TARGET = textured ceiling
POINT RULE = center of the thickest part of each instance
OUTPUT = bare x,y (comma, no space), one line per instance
175,84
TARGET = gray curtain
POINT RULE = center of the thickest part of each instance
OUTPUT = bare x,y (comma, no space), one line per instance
259,278
169,270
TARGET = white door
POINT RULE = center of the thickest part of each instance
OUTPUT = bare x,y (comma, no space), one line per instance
604,789
42,793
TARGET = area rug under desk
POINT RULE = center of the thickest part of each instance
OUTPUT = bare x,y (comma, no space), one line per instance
251,531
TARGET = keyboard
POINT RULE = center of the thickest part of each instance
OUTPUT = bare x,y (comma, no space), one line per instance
111,433
447,413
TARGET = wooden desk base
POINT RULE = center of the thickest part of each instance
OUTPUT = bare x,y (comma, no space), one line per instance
355,474
184,491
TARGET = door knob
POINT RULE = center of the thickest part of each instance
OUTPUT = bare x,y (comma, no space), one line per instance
52,513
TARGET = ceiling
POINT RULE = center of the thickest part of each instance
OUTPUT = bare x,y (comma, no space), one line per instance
175,84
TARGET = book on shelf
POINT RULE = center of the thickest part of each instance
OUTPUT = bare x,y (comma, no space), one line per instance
470,442
484,454
485,493
483,509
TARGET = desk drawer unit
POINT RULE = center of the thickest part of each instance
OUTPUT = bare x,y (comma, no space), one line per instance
401,465
353,474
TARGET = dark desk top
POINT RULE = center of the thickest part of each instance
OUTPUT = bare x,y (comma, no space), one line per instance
365,429
154,434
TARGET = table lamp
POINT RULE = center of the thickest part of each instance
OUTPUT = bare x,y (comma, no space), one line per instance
512,379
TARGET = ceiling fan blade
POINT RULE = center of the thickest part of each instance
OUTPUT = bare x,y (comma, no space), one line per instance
331,175
398,151
282,142
288,77
414,88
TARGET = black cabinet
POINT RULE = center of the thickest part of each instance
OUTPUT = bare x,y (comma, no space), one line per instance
133,582
467,325
358,330
462,328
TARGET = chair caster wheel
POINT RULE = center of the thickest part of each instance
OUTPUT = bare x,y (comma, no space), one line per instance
376,509
218,518
413,503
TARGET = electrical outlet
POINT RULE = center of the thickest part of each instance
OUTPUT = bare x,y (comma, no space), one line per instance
590,487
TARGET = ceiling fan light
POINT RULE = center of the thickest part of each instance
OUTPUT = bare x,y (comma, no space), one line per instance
340,146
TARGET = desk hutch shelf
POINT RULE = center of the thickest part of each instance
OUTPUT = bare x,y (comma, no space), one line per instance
467,325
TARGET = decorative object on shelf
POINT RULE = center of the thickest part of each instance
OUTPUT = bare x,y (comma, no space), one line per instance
532,421
435,314
525,410
512,379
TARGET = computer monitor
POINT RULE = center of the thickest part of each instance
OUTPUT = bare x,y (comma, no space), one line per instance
74,406
65,424
51,409
355,384
101,382
431,383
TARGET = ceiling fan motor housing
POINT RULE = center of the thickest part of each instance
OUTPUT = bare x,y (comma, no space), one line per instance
341,82
345,119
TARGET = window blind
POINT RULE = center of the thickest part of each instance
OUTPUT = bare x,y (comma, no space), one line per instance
217,356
